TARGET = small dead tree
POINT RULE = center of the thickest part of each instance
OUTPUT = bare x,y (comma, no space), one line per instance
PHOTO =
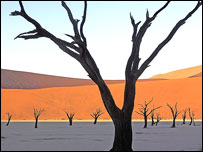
158,118
96,115
184,115
9,118
152,117
70,117
175,113
37,113
144,111
192,115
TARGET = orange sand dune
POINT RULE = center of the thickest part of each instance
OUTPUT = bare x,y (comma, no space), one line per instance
84,100
183,73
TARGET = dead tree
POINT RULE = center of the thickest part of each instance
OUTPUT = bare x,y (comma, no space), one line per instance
192,115
184,115
122,118
175,113
152,118
96,115
144,111
158,118
9,118
37,113
70,117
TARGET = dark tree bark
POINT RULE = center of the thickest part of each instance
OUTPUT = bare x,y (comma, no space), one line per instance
175,113
121,117
158,118
36,121
9,118
96,115
184,115
70,117
192,115
152,118
144,111
37,113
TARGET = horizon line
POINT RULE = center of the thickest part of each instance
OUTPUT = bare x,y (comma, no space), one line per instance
91,120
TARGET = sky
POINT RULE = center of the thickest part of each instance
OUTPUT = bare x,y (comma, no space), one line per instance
108,30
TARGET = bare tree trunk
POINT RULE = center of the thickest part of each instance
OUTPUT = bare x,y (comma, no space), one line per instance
183,120
153,121
156,123
8,122
36,122
190,121
193,122
70,122
174,123
95,120
123,134
145,122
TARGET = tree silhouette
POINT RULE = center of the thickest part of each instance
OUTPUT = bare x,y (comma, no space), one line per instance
158,118
144,111
96,115
9,118
175,113
122,118
192,117
70,117
152,117
37,113
184,115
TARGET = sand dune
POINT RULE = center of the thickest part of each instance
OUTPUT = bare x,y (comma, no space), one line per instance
85,99
11,79
182,73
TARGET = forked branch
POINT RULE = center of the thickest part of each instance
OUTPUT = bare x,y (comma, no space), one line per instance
37,112
80,53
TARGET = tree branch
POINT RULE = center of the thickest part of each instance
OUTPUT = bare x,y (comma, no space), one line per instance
157,12
168,38
83,22
153,110
131,71
140,113
73,21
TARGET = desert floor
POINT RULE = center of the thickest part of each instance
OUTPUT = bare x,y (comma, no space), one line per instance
84,136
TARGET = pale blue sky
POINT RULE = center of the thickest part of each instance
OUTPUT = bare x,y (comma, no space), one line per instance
108,31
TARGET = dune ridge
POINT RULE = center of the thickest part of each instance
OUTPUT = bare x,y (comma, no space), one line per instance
11,79
182,73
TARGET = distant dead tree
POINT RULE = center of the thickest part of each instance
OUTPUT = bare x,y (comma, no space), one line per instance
77,48
192,115
9,118
96,115
152,117
184,115
37,113
144,111
70,117
175,113
158,118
